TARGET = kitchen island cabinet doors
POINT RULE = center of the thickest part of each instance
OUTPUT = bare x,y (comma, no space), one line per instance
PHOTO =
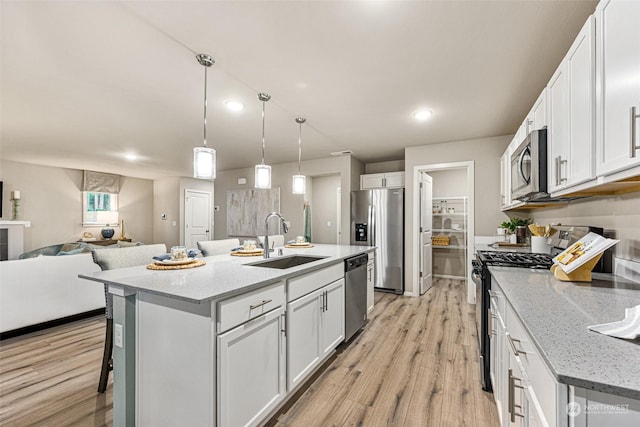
251,370
315,327
618,86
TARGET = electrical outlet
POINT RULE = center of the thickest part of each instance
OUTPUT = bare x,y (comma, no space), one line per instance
117,335
174,223
328,223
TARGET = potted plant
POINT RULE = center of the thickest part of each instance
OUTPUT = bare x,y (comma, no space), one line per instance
511,225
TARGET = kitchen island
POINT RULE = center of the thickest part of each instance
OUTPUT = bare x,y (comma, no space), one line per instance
226,343
551,360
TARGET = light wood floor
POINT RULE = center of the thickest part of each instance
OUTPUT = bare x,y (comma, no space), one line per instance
414,364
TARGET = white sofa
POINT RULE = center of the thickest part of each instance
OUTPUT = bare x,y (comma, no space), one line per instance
46,288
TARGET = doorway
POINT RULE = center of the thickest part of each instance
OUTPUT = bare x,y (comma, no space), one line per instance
453,226
325,202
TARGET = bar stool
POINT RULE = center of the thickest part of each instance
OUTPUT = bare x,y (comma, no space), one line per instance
110,259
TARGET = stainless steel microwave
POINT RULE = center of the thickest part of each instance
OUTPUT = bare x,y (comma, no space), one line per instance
529,168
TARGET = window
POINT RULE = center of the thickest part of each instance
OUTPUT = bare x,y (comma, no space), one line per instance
99,208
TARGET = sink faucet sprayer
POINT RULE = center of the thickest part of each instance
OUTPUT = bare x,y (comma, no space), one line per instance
285,227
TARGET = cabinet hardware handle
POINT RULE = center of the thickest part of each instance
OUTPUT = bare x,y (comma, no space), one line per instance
253,307
326,300
633,147
557,162
284,324
512,401
563,162
512,342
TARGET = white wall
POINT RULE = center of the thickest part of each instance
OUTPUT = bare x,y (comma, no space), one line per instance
52,201
291,205
389,166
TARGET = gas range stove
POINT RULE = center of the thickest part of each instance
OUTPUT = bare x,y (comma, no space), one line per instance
515,259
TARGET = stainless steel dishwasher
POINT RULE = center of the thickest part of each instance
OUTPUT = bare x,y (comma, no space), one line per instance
355,294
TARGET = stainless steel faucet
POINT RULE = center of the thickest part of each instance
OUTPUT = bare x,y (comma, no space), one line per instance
285,228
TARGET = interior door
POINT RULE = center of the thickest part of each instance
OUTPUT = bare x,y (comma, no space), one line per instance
426,220
197,217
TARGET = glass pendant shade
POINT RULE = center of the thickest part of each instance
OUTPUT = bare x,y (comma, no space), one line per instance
299,184
263,176
204,158
204,163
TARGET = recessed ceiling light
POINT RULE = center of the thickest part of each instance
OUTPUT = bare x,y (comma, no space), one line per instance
234,105
130,157
422,115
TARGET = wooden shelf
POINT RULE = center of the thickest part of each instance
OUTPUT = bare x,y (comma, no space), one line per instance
445,230
448,247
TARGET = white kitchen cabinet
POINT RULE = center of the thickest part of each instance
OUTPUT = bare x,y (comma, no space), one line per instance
498,354
570,137
537,117
505,176
618,90
370,284
332,318
315,327
382,180
251,373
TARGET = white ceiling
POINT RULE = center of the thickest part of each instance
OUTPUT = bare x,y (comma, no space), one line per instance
85,82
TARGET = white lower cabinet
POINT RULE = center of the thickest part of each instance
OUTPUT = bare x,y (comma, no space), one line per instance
315,327
251,370
251,351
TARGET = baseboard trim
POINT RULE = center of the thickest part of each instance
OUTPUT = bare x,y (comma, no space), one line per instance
50,324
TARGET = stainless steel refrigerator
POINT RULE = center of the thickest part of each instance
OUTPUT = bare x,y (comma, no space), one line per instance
377,219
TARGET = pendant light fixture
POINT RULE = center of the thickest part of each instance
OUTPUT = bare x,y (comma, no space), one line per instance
204,158
299,181
263,172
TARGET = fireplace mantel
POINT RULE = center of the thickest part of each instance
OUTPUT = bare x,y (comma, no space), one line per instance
12,238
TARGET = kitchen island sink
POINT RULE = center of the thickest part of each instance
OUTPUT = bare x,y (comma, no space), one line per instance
285,262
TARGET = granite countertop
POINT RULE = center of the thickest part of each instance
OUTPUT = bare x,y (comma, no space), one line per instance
556,315
488,247
222,276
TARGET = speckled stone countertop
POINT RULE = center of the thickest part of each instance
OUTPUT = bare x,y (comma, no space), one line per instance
222,276
556,315
496,248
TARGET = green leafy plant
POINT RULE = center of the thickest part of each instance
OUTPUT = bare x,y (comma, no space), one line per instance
515,222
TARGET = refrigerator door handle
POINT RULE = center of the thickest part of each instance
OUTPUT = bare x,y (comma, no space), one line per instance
372,221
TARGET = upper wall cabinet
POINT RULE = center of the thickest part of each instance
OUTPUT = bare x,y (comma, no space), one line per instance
382,180
571,92
618,76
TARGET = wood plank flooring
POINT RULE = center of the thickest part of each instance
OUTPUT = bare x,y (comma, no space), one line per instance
414,364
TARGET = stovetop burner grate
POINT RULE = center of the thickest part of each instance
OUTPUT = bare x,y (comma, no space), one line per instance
515,259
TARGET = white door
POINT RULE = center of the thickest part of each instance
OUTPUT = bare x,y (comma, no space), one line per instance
426,219
251,366
332,317
303,337
618,68
197,217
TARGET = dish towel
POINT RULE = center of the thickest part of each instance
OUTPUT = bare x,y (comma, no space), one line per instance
628,328
307,222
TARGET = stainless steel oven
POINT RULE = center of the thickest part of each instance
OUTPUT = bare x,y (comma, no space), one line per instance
529,168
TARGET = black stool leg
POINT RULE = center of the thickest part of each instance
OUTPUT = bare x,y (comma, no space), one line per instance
107,364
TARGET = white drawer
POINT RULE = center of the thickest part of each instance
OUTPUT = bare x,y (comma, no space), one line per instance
242,308
535,368
306,283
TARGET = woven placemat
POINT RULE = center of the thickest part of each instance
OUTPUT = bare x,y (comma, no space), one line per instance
194,264
254,253
294,246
